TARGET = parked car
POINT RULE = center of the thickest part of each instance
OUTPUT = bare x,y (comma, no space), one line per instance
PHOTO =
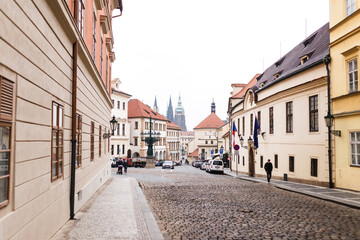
216,165
194,162
203,165
198,164
159,163
177,163
168,164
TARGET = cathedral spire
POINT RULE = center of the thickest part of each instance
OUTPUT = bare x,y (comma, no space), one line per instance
213,106
170,112
155,108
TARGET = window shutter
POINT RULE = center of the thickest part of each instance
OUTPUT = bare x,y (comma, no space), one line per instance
6,99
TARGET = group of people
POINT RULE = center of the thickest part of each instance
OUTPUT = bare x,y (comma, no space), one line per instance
122,164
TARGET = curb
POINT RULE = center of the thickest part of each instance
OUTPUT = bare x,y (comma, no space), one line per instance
150,221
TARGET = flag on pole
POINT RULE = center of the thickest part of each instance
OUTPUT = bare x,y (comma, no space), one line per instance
256,133
234,130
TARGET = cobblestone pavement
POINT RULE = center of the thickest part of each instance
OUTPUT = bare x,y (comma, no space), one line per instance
191,204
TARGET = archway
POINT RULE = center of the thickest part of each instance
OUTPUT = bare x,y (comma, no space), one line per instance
129,153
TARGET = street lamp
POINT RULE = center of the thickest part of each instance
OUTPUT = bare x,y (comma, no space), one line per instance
113,125
241,141
250,141
329,121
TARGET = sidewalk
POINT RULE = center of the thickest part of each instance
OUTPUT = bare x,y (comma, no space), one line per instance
344,197
118,210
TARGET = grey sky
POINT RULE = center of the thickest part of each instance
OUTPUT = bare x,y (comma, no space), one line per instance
198,48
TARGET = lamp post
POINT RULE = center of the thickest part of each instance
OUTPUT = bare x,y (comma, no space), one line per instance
329,119
150,141
113,125
251,157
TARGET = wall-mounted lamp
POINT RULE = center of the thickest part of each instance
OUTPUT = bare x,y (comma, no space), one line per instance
113,125
329,121
263,134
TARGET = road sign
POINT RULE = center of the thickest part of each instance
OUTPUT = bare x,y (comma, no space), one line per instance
236,147
221,150
212,151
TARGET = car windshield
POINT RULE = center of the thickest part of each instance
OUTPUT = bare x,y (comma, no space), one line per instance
217,163
168,162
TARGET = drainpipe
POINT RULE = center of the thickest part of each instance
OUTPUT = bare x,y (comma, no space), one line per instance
73,118
327,60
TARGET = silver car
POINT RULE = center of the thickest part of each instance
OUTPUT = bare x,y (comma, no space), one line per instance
168,164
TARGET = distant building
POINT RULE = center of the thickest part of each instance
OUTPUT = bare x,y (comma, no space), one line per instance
185,139
180,115
206,138
120,140
170,112
173,141
139,116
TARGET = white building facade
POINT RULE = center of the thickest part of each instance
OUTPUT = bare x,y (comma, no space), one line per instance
120,141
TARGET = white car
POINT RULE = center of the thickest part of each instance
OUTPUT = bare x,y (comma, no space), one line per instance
215,165
168,164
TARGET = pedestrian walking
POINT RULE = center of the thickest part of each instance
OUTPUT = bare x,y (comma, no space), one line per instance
125,165
268,168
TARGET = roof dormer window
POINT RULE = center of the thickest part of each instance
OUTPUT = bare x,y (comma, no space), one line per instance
277,75
262,85
309,40
304,59
278,63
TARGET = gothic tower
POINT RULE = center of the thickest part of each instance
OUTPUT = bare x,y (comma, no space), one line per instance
155,108
180,115
169,113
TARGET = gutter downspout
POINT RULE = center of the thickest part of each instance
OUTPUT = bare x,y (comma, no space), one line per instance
73,118
327,61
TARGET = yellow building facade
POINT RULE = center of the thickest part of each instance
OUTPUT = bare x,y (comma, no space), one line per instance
345,95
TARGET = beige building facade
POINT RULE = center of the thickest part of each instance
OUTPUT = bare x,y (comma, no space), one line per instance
57,94
345,94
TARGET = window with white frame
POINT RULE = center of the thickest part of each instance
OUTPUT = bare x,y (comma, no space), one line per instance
81,16
94,37
353,75
355,148
350,7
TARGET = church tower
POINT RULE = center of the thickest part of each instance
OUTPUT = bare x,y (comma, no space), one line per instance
170,113
213,106
155,108
180,115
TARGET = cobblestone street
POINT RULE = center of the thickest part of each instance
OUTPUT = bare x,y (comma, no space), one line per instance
191,204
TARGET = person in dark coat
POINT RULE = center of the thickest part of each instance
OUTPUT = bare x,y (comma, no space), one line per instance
268,168
125,165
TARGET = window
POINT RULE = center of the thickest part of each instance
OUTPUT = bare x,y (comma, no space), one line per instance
271,120
94,38
123,149
212,142
289,117
112,102
353,75
118,104
6,111
57,141
304,59
118,129
92,138
123,105
78,140
112,149
243,161
108,141
355,148
243,126
206,142
314,167
123,129
81,16
291,163
238,126
101,56
118,149
259,118
137,125
251,124
135,141
313,113
350,7
99,141
261,161
276,161
106,69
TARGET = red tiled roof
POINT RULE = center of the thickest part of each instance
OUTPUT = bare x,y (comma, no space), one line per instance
238,85
137,109
194,153
188,133
172,125
252,82
212,121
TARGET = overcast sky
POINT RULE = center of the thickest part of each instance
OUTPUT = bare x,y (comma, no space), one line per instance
198,48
